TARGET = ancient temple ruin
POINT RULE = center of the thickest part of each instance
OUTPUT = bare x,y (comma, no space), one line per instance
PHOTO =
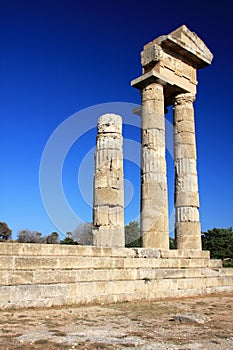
170,64
36,275
169,77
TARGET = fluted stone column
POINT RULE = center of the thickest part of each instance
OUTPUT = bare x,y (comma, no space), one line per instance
108,208
187,228
154,203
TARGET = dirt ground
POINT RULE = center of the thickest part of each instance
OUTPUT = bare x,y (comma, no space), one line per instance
181,324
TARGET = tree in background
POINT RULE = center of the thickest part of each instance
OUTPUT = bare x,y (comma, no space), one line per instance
68,239
83,234
27,236
5,232
53,238
219,242
172,243
132,235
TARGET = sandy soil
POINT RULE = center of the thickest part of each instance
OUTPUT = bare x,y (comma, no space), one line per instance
180,324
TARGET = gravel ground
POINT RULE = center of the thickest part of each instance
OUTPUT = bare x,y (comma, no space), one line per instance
201,323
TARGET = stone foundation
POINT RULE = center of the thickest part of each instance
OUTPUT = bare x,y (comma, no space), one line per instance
39,275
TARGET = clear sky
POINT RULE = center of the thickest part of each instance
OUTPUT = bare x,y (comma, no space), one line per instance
59,57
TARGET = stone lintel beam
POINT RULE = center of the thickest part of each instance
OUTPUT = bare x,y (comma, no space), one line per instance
149,78
171,89
184,43
172,60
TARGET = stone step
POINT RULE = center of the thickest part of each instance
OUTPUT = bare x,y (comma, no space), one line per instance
89,251
37,249
57,276
30,295
83,262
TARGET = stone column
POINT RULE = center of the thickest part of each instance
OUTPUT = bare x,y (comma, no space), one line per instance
154,203
108,208
187,229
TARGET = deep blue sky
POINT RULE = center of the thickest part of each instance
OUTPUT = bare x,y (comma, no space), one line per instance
60,56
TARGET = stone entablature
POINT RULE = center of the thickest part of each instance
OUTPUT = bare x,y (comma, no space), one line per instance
173,60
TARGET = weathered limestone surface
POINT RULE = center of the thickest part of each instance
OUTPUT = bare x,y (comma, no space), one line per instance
40,275
154,201
171,62
108,208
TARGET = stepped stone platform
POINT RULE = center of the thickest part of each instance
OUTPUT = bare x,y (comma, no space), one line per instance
39,275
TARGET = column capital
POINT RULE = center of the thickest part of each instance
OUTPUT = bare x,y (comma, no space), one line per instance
150,91
184,98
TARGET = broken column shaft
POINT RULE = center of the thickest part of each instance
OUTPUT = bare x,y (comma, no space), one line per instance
108,208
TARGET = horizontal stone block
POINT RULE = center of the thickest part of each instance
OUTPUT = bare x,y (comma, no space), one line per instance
5,296
116,216
187,242
220,289
192,283
165,273
154,220
185,138
155,239
10,250
61,276
154,139
20,277
215,263
185,253
109,141
152,98
187,230
109,196
188,199
185,126
186,166
151,120
106,162
109,236
184,151
155,190
225,271
7,261
194,263
193,253
147,253
101,215
30,249
183,112
110,123
110,179
184,214
186,183
108,216
151,162
153,177
151,53
23,263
